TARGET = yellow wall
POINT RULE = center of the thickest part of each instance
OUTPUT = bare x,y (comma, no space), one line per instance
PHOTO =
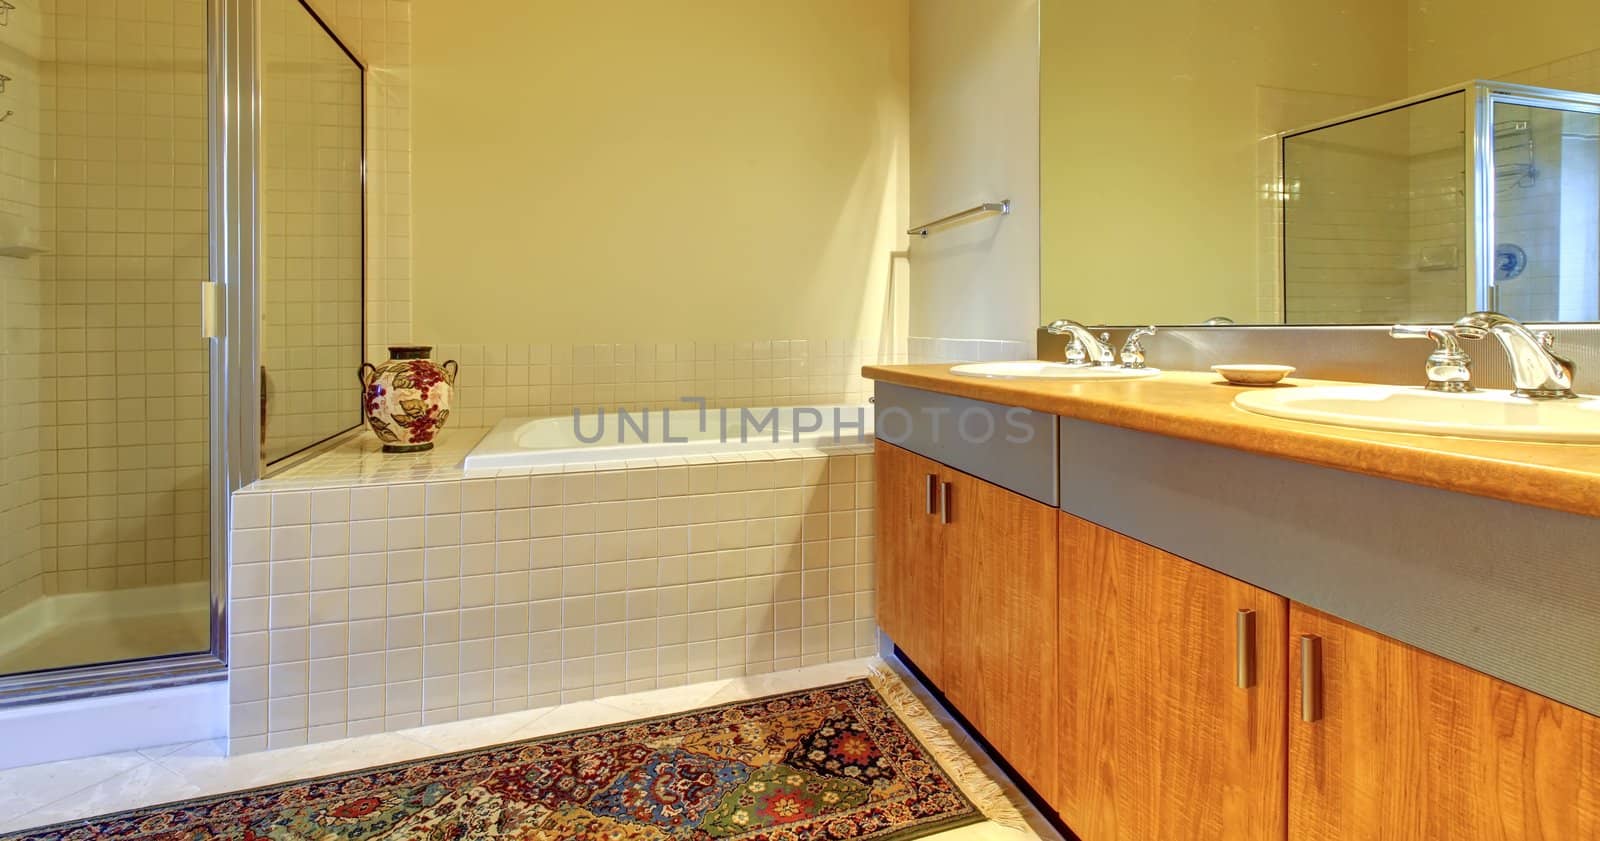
1487,39
638,170
1151,117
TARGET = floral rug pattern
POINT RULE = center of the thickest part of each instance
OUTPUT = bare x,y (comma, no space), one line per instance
827,763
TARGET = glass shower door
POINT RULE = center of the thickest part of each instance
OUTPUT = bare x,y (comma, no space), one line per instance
104,244
1546,223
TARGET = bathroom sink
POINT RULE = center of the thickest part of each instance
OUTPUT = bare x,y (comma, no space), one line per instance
1036,370
1479,414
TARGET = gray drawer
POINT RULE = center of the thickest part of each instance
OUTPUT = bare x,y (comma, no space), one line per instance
1007,446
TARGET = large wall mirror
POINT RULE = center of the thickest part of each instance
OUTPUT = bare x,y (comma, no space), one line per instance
312,207
1271,162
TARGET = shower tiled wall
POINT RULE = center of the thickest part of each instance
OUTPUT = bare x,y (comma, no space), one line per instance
358,609
23,316
123,117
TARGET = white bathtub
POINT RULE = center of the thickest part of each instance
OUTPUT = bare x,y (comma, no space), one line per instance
610,435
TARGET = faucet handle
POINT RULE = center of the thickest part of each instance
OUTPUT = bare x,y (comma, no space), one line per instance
1449,367
1547,340
1133,350
1076,354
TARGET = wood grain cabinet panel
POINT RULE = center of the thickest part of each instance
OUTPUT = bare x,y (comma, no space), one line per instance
961,615
1406,746
1157,740
1005,545
910,557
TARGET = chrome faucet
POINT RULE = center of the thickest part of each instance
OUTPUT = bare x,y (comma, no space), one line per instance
1537,372
1449,367
1084,349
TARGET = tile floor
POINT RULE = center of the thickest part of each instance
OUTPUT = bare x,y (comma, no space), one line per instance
44,794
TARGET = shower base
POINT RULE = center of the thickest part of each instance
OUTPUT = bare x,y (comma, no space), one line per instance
77,629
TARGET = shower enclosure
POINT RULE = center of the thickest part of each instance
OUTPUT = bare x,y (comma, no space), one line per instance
1481,196
132,178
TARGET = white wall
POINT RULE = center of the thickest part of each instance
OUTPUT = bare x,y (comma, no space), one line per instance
975,138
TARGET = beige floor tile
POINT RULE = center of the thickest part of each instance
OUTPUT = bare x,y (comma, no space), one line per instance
206,765
581,715
777,683
676,699
146,785
475,732
985,831
24,790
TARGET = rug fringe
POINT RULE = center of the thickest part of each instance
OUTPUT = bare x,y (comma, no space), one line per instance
983,791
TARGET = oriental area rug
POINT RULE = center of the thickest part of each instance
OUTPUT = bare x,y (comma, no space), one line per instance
835,762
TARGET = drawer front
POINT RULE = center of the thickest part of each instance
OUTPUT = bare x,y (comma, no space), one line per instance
1004,445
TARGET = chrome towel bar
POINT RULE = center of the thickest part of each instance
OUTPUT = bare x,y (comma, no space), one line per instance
1001,207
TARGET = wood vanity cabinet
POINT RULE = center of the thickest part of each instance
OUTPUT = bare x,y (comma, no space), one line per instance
1173,696
1147,697
966,589
1401,745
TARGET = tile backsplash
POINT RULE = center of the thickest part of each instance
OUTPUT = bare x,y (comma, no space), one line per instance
923,349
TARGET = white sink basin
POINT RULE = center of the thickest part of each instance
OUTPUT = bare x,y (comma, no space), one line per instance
1479,414
1036,370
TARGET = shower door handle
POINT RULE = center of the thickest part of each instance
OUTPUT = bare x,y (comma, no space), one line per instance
208,309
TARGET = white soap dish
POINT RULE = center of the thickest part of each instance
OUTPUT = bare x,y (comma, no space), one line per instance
1243,374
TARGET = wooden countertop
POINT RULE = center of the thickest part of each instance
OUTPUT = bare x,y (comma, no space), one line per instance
1199,407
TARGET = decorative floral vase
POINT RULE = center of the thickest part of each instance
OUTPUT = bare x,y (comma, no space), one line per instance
407,399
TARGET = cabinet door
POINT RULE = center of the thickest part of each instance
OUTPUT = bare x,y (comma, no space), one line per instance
1406,745
1158,740
1009,577
909,555
961,618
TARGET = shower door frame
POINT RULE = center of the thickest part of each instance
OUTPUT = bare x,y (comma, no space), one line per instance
233,117
1481,123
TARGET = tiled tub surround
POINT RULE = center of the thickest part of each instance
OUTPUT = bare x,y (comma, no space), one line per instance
366,605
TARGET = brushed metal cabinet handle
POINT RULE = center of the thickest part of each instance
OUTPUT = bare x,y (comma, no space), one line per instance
1244,655
944,503
933,494
1310,678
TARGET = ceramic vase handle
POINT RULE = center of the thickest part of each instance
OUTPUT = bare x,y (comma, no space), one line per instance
450,367
361,373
